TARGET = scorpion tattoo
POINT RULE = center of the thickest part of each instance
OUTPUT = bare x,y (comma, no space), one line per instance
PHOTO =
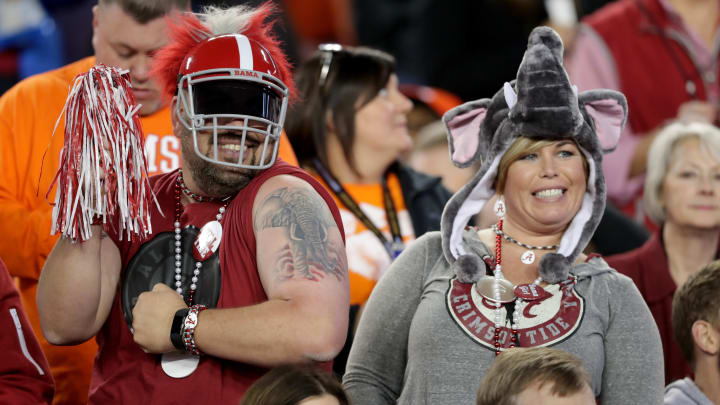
306,227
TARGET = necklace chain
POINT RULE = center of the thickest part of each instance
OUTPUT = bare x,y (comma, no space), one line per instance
498,231
196,197
180,184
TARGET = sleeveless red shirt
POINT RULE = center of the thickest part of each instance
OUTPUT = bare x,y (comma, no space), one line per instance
123,373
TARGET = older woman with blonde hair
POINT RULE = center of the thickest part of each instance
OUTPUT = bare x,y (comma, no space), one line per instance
682,196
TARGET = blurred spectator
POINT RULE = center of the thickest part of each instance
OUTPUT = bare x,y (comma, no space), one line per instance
349,131
295,385
633,46
24,373
126,34
536,376
74,23
696,322
682,195
429,105
431,156
320,21
563,16
29,40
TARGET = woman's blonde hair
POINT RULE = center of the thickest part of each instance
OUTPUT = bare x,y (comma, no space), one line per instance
521,147
662,154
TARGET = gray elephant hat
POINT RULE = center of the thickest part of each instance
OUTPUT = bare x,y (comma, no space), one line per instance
540,104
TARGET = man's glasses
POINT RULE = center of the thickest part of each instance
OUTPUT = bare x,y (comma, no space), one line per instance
327,55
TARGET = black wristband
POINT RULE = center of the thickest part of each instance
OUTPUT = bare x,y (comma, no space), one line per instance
176,329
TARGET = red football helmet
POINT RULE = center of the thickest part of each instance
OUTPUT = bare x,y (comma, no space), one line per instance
231,83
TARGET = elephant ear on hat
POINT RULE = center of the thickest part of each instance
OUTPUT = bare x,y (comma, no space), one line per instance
472,128
607,111
463,128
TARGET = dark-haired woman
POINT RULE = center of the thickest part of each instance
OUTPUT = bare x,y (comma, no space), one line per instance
349,131
296,385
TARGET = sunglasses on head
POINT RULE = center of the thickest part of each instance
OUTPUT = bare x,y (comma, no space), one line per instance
328,50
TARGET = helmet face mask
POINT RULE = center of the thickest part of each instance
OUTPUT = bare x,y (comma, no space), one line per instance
238,107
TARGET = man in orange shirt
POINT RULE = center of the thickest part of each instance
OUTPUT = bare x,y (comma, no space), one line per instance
126,34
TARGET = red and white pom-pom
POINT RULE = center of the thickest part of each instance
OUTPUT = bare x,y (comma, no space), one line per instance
102,135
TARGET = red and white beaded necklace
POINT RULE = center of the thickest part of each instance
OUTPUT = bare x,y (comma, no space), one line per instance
180,186
499,281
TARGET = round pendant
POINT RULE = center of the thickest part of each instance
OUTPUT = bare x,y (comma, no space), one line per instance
179,365
531,292
528,257
207,241
486,287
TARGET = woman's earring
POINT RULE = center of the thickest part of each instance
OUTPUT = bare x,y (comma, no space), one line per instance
499,207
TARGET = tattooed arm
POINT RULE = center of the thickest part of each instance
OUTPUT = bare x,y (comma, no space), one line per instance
303,268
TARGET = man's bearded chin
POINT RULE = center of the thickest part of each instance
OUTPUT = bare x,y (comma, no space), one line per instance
212,179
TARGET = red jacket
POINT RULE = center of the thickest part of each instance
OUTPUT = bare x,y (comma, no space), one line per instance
648,267
648,59
24,372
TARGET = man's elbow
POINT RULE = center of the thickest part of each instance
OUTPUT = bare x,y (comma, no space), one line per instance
60,336
56,338
326,342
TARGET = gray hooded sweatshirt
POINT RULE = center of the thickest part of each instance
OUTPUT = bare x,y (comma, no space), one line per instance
685,392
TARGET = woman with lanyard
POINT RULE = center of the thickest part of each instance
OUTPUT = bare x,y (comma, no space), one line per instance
349,130
456,299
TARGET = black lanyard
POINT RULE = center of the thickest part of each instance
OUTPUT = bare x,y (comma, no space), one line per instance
394,247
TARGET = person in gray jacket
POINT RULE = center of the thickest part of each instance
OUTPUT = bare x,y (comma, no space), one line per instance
456,299
696,323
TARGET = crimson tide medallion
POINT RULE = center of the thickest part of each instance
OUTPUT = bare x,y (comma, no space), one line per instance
544,320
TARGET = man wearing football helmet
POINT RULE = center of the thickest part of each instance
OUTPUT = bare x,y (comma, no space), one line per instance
229,84
246,266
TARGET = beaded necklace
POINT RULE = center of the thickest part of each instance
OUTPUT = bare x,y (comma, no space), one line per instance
528,257
180,185
500,280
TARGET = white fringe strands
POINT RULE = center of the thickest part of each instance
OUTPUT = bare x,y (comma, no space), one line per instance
102,135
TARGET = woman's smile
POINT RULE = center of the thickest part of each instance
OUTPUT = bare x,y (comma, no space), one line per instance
545,187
